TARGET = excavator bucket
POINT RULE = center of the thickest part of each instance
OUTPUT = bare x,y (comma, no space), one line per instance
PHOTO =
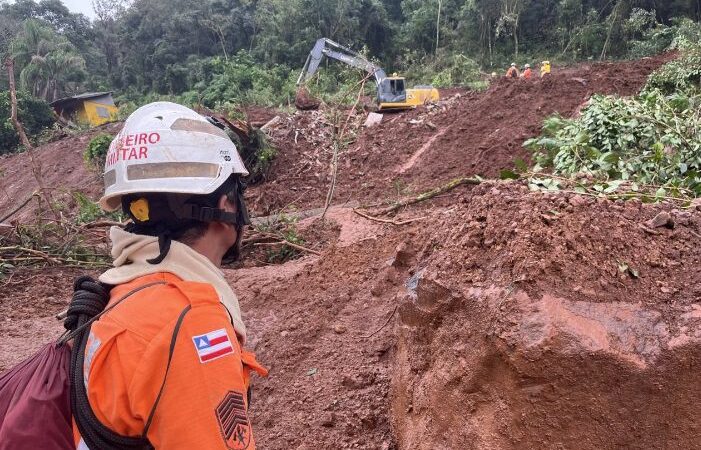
304,100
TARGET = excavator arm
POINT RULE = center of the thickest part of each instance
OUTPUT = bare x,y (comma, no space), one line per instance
327,47
391,92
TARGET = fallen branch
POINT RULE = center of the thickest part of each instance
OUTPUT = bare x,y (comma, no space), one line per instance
43,255
383,325
430,194
288,243
22,205
392,222
103,224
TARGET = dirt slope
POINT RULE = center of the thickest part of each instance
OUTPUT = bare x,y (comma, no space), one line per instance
62,170
475,133
504,319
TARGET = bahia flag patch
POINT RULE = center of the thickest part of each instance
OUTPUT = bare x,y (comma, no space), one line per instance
212,345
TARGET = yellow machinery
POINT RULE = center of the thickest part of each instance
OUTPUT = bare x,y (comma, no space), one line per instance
391,91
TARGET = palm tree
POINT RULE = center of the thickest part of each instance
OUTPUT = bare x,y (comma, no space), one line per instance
48,61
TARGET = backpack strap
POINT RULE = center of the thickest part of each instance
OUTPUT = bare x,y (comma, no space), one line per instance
173,340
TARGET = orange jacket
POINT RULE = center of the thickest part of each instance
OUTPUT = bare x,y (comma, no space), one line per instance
527,73
204,403
512,72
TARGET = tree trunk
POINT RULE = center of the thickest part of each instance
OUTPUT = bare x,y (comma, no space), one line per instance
438,25
516,36
36,165
10,64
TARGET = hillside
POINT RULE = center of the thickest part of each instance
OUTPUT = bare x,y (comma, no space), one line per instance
498,318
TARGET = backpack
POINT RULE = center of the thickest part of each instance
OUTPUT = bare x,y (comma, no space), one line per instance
40,396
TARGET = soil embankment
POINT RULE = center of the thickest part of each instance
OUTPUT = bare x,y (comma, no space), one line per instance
502,319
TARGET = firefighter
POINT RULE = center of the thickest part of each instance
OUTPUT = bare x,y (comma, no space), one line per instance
166,365
512,72
544,68
527,72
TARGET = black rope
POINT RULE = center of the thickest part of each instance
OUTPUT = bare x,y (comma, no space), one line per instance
88,304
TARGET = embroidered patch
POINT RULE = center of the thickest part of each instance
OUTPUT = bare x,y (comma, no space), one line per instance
233,421
213,345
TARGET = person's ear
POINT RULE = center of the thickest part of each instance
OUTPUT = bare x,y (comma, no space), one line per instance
226,205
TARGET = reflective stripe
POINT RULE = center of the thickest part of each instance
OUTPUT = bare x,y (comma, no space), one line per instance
82,445
199,126
172,170
90,350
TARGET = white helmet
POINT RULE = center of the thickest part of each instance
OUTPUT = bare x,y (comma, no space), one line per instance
528,66
168,148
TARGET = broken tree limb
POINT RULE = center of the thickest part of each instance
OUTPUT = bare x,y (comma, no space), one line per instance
103,224
290,244
383,325
389,221
10,64
430,194
22,205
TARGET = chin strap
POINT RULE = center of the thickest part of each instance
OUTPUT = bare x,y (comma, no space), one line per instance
164,241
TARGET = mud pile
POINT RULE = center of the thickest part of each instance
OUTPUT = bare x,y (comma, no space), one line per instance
62,170
551,321
503,318
467,134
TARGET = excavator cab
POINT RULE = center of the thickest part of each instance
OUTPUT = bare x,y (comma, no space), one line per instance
391,90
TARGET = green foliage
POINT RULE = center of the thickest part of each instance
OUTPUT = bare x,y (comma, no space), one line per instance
240,80
285,252
49,65
684,73
35,115
652,139
226,53
96,152
90,211
443,70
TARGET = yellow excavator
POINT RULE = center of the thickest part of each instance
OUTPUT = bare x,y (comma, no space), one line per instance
391,91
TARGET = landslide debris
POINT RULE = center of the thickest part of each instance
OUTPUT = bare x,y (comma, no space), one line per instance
466,134
550,321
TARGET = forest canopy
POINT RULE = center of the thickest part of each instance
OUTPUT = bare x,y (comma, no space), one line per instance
220,52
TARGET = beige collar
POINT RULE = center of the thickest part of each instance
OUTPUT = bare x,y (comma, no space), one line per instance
131,252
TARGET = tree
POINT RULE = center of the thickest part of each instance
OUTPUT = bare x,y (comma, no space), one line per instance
48,63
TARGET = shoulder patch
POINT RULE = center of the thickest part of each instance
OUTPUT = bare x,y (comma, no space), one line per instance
213,345
233,421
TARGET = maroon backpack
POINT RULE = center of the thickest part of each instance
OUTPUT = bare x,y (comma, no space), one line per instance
34,402
40,397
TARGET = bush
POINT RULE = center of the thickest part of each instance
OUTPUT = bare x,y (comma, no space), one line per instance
35,114
97,149
684,73
652,139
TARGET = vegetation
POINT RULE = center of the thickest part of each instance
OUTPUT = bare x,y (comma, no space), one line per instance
650,140
218,51
96,152
35,115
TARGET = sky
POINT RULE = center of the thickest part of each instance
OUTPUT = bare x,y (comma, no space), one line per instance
76,6
80,6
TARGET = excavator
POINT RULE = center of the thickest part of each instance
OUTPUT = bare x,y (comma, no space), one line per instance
391,91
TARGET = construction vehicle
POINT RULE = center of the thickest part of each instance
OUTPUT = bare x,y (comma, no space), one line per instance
391,91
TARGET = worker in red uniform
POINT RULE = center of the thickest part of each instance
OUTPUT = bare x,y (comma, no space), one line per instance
166,365
512,72
527,72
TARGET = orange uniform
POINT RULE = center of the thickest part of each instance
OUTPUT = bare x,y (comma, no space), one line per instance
203,404
527,74
512,72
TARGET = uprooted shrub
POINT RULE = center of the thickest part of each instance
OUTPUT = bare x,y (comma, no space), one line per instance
652,139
